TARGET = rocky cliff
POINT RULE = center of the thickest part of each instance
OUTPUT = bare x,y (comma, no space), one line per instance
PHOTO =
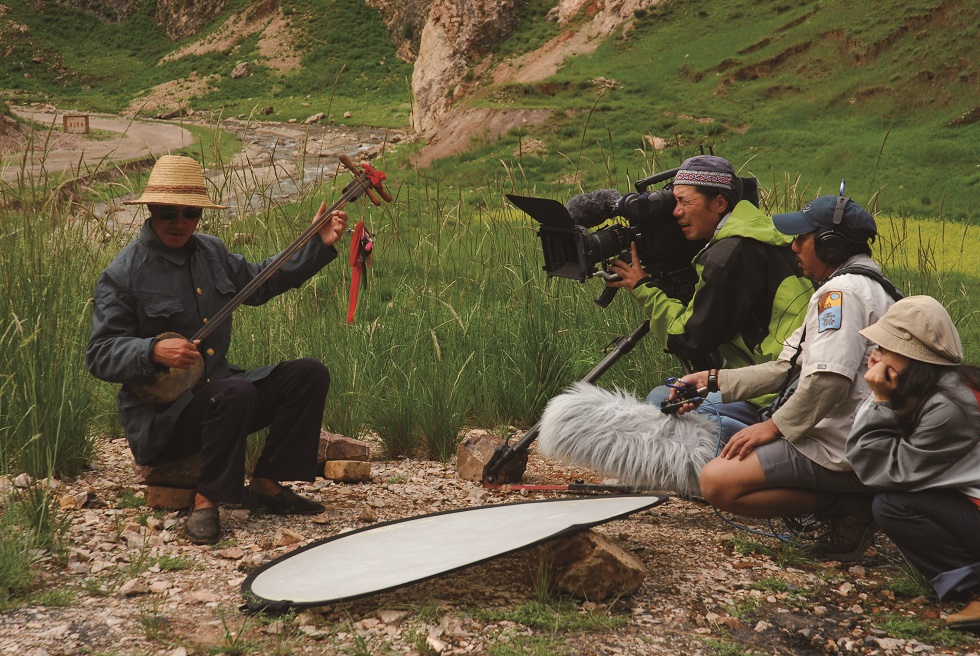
177,18
460,33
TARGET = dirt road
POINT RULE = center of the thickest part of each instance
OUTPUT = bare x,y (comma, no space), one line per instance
282,159
115,139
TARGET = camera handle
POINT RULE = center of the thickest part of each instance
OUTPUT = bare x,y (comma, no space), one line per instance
608,293
504,453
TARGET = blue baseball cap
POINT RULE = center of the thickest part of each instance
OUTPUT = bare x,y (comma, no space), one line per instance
855,222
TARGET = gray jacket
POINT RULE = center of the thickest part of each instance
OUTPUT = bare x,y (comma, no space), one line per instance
942,452
149,289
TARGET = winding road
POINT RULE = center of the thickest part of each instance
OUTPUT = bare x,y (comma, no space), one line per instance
128,140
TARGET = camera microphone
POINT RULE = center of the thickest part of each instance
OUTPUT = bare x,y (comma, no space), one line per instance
594,207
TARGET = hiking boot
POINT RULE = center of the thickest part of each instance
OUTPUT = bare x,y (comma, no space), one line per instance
850,528
967,619
202,526
285,502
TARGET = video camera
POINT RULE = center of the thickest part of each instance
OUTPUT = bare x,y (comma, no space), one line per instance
572,251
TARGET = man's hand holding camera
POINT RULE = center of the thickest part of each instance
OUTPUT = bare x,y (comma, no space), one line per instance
630,273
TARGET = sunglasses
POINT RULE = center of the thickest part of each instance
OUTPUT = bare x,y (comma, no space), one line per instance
170,213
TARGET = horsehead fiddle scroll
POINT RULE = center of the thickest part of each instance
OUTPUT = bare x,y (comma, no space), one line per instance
168,385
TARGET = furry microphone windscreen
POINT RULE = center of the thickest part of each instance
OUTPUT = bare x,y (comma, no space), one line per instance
614,434
593,207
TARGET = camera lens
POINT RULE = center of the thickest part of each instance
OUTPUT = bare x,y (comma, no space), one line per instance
607,242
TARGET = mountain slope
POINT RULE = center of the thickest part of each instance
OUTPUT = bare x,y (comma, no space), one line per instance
886,95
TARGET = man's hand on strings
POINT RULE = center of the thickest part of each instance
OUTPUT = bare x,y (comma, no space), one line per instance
333,228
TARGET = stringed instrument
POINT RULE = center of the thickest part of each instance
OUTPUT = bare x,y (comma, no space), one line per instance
168,385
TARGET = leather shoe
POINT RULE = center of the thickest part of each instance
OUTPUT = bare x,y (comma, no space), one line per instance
967,619
285,502
202,526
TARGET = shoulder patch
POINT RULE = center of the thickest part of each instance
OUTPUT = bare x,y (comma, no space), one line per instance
830,311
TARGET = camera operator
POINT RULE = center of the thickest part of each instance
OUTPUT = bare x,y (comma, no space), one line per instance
749,295
793,462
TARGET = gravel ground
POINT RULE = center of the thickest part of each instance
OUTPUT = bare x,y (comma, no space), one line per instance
133,585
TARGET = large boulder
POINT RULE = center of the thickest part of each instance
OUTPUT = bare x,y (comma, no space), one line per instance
455,34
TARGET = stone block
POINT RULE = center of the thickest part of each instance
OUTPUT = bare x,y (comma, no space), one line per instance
341,447
347,471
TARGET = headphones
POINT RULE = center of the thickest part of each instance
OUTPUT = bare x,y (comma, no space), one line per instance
832,246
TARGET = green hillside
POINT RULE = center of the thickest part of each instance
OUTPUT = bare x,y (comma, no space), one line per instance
70,58
885,95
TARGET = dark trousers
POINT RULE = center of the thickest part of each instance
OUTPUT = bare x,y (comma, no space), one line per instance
217,422
939,533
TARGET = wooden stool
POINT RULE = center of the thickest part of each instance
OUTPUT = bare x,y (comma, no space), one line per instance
170,485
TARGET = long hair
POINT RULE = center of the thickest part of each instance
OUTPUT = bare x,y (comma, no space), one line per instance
918,382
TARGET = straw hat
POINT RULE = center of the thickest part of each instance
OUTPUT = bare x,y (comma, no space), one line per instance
176,180
918,327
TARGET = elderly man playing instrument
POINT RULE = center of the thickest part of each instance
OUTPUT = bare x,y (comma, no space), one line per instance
171,279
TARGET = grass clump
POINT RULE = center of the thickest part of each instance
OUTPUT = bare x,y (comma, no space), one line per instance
930,632
556,615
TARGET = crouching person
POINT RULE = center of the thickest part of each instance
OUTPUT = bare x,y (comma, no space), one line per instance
792,462
172,279
917,441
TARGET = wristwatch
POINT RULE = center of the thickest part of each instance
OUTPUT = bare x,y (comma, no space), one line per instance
712,380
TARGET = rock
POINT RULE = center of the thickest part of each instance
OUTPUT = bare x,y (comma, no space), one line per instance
475,451
241,70
367,515
285,537
268,110
203,597
588,566
133,588
73,501
316,118
347,114
347,471
341,447
232,553
389,616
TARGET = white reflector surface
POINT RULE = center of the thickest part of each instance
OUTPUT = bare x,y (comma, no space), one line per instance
396,553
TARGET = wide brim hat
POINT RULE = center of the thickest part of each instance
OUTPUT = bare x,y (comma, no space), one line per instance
176,180
919,328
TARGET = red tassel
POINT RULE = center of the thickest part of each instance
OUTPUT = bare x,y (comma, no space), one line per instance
361,248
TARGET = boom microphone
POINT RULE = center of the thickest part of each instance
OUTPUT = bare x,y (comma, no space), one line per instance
594,207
